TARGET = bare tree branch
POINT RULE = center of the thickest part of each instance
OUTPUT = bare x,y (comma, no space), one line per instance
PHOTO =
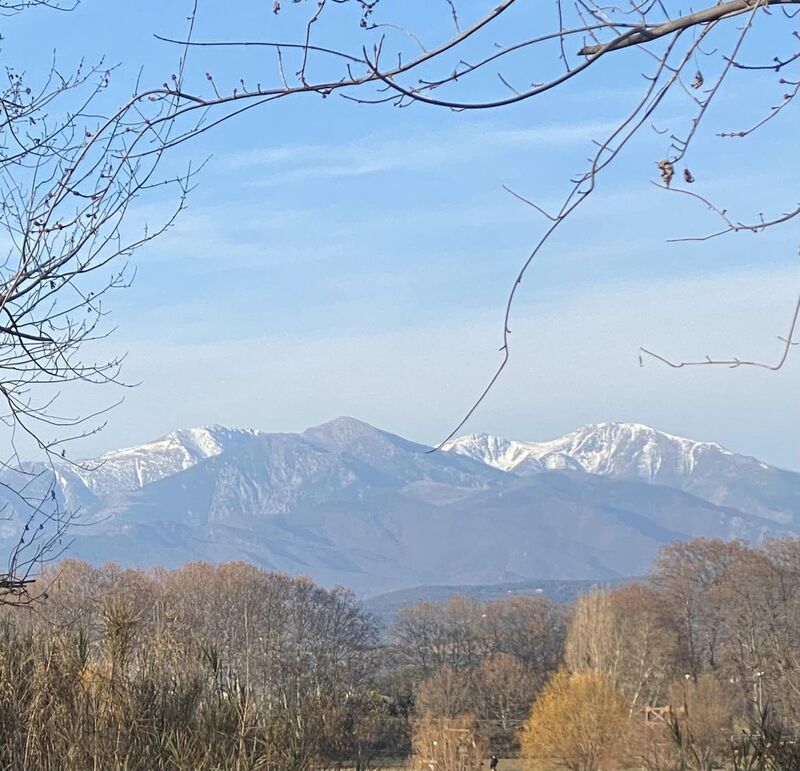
735,362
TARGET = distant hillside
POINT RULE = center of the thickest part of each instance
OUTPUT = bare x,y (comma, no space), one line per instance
386,606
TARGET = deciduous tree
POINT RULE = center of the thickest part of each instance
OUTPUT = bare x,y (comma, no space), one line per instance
576,723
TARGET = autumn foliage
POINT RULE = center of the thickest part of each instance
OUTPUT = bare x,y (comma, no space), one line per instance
575,723
233,668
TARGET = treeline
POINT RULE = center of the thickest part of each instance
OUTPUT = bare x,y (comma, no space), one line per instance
232,667
696,669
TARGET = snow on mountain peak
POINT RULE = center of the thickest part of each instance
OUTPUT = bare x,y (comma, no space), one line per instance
626,450
635,452
504,454
607,448
133,467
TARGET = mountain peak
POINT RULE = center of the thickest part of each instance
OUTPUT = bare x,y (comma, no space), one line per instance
344,425
628,450
131,468
638,438
616,449
505,454
346,434
623,429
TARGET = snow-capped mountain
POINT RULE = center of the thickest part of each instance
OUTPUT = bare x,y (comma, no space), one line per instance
512,455
348,503
134,467
632,451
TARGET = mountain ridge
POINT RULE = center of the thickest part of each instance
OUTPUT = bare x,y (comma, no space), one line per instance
635,451
351,504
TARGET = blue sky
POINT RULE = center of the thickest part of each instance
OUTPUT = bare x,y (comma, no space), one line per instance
338,258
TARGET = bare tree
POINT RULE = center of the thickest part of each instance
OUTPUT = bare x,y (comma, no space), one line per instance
203,667
625,635
735,612
70,172
451,743
670,56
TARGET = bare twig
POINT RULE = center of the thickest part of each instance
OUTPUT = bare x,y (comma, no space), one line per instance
735,362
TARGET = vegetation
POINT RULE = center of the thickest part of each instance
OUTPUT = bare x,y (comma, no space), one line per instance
574,723
232,667
200,668
451,743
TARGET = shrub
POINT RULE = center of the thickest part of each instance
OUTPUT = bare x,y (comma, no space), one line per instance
575,723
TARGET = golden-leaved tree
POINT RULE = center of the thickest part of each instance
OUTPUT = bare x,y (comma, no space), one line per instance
575,723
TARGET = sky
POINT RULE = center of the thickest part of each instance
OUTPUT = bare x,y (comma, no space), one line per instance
339,258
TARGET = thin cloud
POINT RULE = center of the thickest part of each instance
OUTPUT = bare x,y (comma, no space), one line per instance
374,154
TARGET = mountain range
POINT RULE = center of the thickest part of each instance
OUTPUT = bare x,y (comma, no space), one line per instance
631,451
351,504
